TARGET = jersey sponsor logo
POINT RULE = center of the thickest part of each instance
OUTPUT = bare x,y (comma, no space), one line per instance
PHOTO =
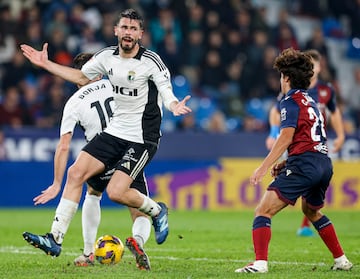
288,172
131,76
125,91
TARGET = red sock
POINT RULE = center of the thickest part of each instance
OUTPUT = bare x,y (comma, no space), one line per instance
328,235
305,222
261,238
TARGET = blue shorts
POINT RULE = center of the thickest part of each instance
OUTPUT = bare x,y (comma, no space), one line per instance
307,175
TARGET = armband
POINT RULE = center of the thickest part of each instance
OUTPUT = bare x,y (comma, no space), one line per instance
274,131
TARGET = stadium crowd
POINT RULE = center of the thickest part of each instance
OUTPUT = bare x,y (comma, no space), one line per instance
220,52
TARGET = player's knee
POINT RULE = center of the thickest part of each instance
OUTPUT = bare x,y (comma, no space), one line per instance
115,195
75,174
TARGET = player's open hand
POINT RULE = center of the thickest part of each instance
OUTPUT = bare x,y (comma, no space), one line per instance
50,193
337,144
258,175
37,57
181,108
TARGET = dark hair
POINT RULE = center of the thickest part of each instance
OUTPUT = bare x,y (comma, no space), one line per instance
297,66
131,14
81,59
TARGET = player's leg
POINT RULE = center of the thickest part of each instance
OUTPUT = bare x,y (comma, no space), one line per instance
327,232
91,216
129,167
269,205
50,243
140,234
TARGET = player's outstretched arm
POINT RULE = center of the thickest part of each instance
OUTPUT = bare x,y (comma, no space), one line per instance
338,126
60,162
40,59
180,108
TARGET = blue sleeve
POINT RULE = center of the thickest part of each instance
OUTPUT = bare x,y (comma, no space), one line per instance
289,113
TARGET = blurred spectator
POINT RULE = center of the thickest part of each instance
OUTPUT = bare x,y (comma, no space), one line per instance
53,105
2,145
217,123
16,71
193,54
32,101
89,42
352,98
317,41
286,38
196,18
170,53
58,50
242,23
235,48
283,19
106,33
76,19
7,47
215,41
12,114
187,123
59,23
212,75
165,23
33,35
231,101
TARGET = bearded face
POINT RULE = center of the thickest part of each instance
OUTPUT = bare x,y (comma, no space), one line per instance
129,33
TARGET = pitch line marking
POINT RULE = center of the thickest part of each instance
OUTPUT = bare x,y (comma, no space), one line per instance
33,251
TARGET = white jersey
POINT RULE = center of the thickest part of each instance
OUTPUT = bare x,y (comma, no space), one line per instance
90,107
140,84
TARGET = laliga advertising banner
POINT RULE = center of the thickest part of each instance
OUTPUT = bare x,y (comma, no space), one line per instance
226,186
189,171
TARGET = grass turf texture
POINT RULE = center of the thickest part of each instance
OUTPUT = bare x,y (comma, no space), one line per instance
201,244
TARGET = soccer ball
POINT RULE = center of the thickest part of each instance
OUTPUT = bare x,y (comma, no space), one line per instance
109,249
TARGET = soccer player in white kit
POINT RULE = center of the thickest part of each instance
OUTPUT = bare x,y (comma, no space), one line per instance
141,84
91,107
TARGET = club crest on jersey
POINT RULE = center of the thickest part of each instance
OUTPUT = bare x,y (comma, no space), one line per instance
283,114
131,76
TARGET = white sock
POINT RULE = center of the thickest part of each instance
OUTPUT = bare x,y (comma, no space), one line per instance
91,215
141,230
150,207
64,213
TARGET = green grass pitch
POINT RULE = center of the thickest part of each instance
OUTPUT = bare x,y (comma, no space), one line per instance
201,244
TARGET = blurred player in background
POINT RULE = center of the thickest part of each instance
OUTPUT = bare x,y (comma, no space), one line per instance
91,107
305,173
324,95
